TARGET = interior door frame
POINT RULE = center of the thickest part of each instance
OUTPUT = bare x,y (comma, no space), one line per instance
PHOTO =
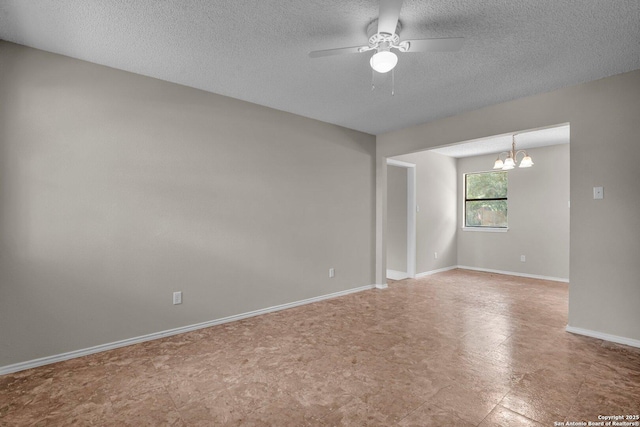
411,213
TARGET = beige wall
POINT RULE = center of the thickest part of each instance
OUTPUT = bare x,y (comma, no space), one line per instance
436,197
118,189
538,218
397,218
605,241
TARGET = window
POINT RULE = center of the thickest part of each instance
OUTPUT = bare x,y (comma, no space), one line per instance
485,201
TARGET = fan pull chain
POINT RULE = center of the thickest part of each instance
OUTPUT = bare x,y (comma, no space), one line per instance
373,86
393,82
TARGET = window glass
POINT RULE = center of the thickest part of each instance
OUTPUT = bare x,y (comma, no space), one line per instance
486,199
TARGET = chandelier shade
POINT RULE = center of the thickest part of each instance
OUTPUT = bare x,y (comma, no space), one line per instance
526,162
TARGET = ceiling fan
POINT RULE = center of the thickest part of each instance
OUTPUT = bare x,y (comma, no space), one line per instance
384,35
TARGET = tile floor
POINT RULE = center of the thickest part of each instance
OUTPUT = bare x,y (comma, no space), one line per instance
458,348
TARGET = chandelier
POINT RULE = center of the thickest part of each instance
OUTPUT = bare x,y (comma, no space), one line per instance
511,159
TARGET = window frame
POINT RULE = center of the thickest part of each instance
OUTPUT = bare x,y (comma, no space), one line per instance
466,227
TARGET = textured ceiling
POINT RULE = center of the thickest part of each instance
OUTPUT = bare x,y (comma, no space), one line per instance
257,50
496,144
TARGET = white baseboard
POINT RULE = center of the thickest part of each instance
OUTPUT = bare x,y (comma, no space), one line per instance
21,366
397,275
439,270
601,335
513,273
381,286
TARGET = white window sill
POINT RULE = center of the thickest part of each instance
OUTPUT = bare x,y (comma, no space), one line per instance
486,229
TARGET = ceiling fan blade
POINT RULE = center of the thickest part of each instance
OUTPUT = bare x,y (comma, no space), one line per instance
338,51
388,16
435,45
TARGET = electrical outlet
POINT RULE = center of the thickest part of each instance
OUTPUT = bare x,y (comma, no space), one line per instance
523,258
598,193
435,255
332,272
177,297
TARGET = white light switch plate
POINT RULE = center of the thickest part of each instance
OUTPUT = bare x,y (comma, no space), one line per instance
177,297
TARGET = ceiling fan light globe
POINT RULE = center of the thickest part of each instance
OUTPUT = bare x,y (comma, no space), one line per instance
383,61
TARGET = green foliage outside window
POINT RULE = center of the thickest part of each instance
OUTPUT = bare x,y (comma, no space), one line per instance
486,199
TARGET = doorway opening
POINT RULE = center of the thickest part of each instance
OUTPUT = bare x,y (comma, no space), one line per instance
401,220
535,241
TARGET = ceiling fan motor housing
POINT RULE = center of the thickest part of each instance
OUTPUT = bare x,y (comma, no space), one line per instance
382,40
